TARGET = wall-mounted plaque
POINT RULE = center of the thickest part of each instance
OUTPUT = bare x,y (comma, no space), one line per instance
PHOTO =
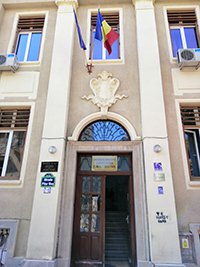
48,180
49,166
104,163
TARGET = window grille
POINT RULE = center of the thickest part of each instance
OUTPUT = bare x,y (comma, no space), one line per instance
190,116
111,18
177,17
14,118
30,23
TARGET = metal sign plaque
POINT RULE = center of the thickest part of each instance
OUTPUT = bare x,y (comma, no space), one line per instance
104,163
49,166
48,180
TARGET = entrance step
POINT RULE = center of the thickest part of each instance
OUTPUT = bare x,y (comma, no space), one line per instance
116,237
117,264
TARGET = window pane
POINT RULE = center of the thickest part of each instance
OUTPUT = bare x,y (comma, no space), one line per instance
192,140
34,48
16,154
115,51
3,146
96,48
190,36
104,130
21,47
176,40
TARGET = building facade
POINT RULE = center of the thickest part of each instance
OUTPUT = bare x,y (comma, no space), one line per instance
100,154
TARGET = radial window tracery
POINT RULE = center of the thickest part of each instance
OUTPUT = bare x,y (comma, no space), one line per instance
104,130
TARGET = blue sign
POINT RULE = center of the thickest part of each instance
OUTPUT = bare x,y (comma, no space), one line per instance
160,190
48,180
158,166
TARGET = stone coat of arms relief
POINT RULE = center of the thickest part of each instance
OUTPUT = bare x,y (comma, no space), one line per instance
104,89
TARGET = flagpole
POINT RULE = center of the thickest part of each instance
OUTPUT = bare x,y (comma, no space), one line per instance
89,66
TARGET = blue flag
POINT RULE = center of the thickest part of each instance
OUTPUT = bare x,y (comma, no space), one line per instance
81,42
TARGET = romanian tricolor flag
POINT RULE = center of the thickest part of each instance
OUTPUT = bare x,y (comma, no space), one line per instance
105,32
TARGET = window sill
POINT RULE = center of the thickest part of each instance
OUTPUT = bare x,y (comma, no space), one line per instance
194,184
29,63
9,183
173,60
106,62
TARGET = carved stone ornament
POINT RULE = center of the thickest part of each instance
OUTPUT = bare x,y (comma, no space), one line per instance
104,89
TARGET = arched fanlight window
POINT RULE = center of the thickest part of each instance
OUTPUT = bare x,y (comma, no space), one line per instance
104,130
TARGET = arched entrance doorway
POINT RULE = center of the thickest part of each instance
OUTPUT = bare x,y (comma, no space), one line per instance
104,221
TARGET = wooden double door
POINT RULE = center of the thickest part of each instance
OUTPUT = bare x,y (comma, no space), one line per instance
97,194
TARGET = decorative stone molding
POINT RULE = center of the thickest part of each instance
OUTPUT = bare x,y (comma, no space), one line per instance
66,2
143,1
104,89
108,116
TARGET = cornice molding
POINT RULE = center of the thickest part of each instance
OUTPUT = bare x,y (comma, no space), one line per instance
143,1
66,2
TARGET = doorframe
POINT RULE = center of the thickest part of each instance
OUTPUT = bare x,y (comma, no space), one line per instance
68,194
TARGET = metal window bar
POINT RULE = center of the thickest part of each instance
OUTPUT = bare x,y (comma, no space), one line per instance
182,17
14,118
190,116
30,23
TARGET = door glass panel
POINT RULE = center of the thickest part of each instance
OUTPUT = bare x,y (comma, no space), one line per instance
84,223
96,184
95,223
86,184
95,203
85,163
85,203
124,163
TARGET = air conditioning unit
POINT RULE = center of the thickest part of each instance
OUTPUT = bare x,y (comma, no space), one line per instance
189,57
8,62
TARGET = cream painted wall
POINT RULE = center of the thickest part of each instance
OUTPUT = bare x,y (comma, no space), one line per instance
18,198
18,201
173,82
127,74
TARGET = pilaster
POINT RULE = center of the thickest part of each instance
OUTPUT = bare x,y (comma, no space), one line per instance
164,249
45,212
64,3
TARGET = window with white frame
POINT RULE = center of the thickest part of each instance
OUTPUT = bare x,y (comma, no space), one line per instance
97,49
183,29
29,37
13,128
191,125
